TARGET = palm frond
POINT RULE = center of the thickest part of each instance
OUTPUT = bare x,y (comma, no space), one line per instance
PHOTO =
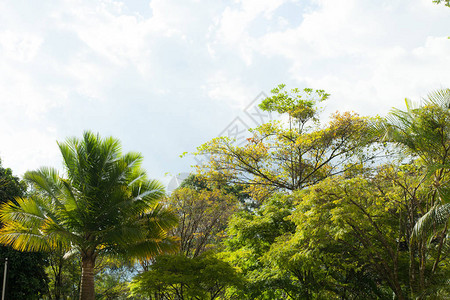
420,129
439,97
44,180
150,248
163,217
26,212
432,222
31,225
105,203
148,191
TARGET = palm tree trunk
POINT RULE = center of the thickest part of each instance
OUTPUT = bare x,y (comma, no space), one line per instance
87,291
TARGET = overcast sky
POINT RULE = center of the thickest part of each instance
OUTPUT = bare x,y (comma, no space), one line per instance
165,76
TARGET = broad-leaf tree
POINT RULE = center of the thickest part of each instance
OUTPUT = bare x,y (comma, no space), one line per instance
293,155
182,278
350,239
203,216
103,205
250,236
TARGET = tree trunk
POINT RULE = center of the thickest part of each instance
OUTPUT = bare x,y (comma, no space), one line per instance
87,291
58,279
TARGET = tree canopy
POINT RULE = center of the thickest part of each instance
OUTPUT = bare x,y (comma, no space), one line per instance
349,208
333,221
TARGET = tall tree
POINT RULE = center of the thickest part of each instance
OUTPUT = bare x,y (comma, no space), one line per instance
105,205
292,156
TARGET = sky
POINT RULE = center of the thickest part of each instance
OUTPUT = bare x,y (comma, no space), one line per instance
165,76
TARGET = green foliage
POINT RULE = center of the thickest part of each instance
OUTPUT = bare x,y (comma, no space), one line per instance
446,2
64,273
10,186
302,247
328,223
201,183
195,182
181,277
345,237
299,105
251,235
26,278
424,131
112,280
344,229
203,215
348,227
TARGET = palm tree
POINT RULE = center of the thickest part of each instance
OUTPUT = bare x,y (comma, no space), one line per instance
104,206
424,132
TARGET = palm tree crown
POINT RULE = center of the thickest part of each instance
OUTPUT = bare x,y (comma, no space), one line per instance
104,206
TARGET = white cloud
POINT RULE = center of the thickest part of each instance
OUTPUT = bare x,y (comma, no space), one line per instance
434,47
28,148
116,37
368,56
233,91
120,65
232,29
21,96
21,47
235,21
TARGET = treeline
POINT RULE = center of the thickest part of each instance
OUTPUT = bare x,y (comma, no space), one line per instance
351,208
357,208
